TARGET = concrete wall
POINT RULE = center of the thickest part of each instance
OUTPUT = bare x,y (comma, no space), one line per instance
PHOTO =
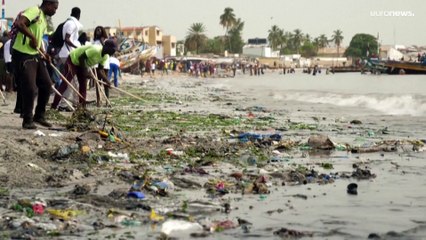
155,36
331,62
257,51
169,44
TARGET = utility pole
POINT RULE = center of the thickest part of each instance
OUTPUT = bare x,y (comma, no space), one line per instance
3,22
3,10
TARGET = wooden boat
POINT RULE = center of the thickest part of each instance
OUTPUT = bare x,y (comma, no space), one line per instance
345,69
403,67
374,65
132,53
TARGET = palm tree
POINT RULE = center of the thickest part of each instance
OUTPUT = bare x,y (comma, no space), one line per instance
275,37
286,39
297,39
307,38
317,43
283,40
235,36
337,38
195,37
227,20
322,41
238,25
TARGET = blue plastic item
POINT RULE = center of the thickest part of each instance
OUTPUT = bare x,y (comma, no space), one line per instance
138,195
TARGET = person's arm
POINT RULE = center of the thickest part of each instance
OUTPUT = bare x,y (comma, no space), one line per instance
22,24
101,74
68,41
70,27
82,60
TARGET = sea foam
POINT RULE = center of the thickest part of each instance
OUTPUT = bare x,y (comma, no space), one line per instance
387,104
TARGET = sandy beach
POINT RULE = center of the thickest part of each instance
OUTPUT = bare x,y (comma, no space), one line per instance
249,157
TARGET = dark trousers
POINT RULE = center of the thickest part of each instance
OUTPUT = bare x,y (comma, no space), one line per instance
6,77
32,79
72,70
18,103
10,73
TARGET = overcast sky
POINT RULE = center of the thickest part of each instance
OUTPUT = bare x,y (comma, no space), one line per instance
314,17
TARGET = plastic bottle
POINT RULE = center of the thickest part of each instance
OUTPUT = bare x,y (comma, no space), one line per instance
251,161
340,147
130,222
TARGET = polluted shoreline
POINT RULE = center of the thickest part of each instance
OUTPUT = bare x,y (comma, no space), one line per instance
195,159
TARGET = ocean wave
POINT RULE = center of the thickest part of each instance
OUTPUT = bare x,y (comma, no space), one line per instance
388,104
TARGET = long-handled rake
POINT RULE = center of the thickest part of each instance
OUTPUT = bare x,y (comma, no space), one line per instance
4,98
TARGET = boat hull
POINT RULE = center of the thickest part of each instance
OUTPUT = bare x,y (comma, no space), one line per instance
399,67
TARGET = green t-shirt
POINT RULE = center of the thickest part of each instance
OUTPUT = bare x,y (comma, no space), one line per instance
38,27
93,53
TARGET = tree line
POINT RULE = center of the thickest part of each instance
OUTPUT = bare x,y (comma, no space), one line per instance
297,42
197,41
286,42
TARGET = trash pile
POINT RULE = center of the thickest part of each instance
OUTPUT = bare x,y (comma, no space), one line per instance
175,174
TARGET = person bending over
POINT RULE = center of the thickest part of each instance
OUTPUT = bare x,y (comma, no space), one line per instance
79,62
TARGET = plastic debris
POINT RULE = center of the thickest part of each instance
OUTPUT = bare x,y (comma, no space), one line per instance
85,149
38,208
123,156
173,226
155,217
39,133
63,214
137,195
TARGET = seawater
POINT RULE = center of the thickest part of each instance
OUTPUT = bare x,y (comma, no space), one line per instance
393,204
386,94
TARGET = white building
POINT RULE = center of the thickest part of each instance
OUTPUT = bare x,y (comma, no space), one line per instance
389,52
257,51
257,47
